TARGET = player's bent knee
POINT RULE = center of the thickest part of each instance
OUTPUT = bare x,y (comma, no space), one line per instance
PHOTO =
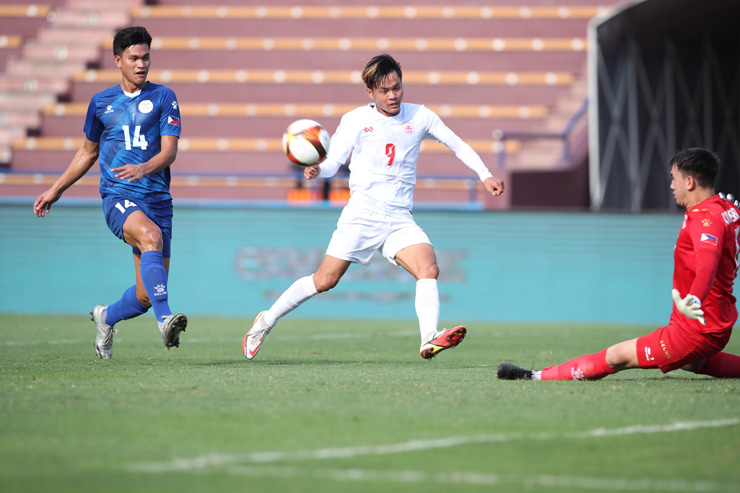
151,240
324,284
432,272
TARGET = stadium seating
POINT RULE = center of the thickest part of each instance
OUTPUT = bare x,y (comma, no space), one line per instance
243,70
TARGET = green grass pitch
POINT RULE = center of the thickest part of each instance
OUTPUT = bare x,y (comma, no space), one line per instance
338,406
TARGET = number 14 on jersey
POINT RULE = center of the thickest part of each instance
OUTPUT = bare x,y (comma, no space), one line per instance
139,140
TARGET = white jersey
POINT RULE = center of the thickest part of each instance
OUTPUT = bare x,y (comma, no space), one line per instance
384,152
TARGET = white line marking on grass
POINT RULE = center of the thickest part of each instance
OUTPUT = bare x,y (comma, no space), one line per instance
36,343
637,429
216,460
485,479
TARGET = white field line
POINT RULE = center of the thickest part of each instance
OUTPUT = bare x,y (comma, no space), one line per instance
51,343
217,460
485,479
203,340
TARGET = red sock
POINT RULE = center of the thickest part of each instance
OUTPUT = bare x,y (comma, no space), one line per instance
721,365
586,367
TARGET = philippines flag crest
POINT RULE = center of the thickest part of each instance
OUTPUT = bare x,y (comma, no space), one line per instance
173,120
709,238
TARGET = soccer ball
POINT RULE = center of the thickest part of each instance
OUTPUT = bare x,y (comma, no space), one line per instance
306,142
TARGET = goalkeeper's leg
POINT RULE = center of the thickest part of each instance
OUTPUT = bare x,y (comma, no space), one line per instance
587,367
721,365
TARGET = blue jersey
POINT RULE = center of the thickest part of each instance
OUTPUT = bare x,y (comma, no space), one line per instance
129,127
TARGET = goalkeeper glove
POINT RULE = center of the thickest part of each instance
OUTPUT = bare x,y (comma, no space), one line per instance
730,198
689,306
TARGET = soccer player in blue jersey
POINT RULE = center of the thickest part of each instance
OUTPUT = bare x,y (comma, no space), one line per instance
133,129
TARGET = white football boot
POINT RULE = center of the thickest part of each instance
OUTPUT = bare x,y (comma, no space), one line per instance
104,337
256,335
171,327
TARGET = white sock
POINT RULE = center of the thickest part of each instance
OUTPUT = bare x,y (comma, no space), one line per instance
537,375
427,307
292,298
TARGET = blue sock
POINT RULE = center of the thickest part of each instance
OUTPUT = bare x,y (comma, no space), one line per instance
127,307
154,277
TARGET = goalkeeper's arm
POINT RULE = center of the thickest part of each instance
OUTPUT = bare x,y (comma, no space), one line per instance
706,269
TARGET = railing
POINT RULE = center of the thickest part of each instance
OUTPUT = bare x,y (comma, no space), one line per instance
293,189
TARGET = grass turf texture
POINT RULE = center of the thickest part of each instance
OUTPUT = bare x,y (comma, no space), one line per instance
348,406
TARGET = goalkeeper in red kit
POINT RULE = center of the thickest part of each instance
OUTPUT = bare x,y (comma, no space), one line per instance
704,311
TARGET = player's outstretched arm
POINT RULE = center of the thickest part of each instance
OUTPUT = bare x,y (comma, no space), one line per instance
494,186
81,163
690,306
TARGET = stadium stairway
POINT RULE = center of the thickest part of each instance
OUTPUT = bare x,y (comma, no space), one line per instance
50,43
500,76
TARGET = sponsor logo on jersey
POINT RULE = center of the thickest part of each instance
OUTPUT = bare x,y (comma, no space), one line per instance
706,223
408,127
649,354
174,105
146,106
665,349
109,109
730,216
368,130
173,120
707,238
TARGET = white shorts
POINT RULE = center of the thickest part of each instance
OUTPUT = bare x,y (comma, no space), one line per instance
361,232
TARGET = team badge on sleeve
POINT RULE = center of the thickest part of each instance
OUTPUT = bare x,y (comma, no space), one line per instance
707,238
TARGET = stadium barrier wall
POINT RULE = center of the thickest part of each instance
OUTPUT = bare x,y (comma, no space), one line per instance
496,266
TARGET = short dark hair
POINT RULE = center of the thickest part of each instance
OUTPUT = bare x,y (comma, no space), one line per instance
700,163
378,68
130,36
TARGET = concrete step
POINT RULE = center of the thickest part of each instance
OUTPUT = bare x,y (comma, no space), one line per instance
271,127
104,4
12,100
24,118
169,59
395,3
203,155
60,35
112,20
234,26
49,68
43,51
264,120
32,84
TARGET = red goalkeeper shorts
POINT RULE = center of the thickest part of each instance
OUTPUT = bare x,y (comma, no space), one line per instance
672,347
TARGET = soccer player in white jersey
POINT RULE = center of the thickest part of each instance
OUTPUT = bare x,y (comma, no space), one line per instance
383,140
133,128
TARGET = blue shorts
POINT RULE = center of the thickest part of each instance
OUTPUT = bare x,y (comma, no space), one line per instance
118,208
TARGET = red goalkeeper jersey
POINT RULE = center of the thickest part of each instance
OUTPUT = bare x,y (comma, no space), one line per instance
706,263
